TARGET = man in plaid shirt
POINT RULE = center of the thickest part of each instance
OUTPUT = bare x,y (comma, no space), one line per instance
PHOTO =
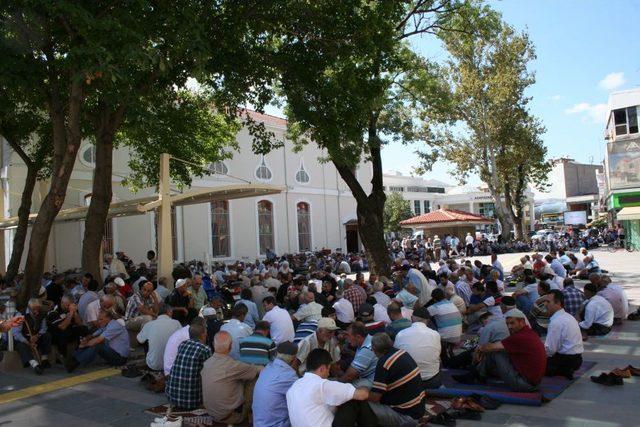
184,385
573,298
354,294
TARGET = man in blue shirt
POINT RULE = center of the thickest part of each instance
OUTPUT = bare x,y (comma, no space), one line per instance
556,266
363,367
270,393
246,298
110,342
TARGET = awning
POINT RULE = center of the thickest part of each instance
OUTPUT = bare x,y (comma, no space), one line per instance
143,205
629,213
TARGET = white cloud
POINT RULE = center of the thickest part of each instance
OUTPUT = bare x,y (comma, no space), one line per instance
596,113
612,81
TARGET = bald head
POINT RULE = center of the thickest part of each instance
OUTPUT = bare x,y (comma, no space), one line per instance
222,342
107,301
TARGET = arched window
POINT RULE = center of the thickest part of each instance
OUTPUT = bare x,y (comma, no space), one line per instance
88,155
265,226
221,237
304,226
218,168
263,172
302,176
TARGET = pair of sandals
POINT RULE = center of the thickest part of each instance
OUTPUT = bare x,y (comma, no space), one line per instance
465,408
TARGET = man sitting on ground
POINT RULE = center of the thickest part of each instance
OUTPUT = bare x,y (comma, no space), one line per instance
447,318
280,321
32,340
310,310
313,400
573,297
106,302
142,308
65,325
423,345
519,360
156,334
323,337
227,385
616,296
237,329
181,301
258,348
252,316
177,338
563,343
184,385
397,395
110,342
598,313
363,366
270,392
398,322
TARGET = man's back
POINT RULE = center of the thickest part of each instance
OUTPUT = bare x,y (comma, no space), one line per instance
222,384
157,333
312,400
448,320
270,394
281,325
423,345
397,379
184,386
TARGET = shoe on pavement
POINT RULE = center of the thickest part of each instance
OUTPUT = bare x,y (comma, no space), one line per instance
634,371
607,379
621,373
38,369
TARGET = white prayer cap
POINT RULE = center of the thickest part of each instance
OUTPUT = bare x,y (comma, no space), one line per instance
181,282
515,313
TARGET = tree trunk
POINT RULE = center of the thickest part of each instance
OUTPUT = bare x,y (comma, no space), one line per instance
23,222
65,120
101,194
495,190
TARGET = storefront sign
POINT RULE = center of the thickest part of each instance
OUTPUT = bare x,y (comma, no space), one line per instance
624,164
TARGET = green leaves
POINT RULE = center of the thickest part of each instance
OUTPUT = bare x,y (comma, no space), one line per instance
396,209
183,124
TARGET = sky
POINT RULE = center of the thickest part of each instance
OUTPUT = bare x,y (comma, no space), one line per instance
585,49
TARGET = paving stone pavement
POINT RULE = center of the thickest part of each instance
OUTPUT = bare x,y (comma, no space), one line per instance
120,401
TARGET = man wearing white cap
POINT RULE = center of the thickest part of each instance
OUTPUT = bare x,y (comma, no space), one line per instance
519,360
181,301
323,337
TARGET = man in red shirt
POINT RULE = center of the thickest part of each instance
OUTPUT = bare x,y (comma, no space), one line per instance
519,360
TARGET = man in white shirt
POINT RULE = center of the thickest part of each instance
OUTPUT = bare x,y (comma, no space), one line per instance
382,298
157,333
598,313
613,293
177,338
310,311
423,345
563,343
313,400
281,324
345,315
469,244
323,337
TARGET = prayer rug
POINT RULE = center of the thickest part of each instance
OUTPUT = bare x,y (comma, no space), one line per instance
200,418
550,388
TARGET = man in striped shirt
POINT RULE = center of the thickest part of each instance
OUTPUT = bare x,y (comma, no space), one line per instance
258,349
397,396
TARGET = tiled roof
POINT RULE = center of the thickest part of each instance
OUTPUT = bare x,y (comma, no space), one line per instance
266,118
444,216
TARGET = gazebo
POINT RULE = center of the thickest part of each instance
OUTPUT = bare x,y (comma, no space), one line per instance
446,221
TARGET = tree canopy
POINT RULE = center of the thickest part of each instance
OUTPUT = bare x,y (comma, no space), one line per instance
396,209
